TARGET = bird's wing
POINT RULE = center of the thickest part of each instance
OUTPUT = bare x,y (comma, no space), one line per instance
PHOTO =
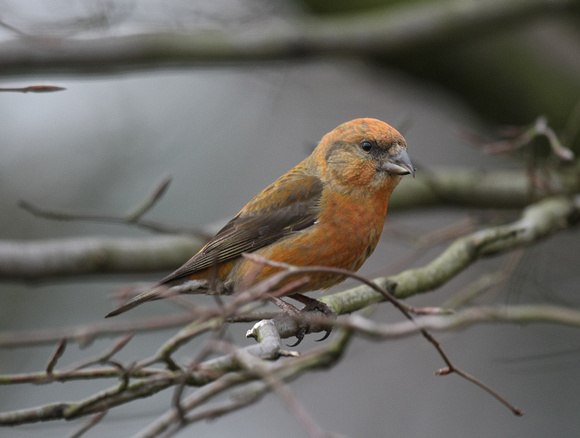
288,205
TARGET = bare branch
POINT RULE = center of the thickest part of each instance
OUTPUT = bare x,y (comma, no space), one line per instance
321,357
133,217
261,368
223,373
387,33
511,314
106,372
537,222
149,202
56,356
451,367
105,358
84,334
33,89
519,137
64,258
93,421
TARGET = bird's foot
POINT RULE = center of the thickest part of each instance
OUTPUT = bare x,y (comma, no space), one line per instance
312,305
303,327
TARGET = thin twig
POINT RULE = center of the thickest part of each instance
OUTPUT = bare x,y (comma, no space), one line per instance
107,355
134,217
403,309
258,366
84,334
320,357
486,282
537,221
452,368
207,349
56,356
93,421
108,372
34,89
159,189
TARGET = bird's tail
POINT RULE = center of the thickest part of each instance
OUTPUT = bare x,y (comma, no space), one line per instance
155,293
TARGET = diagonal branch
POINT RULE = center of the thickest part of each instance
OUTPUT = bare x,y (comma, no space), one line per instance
132,217
537,222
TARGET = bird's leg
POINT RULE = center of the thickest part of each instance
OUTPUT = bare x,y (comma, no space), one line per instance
311,304
289,308
284,305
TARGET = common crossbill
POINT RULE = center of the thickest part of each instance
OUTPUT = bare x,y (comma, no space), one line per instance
329,210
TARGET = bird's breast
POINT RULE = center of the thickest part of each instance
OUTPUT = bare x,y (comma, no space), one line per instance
344,236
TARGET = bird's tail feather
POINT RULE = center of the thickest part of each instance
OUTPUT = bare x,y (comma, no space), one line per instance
155,293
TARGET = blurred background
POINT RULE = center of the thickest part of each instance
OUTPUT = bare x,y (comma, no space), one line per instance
225,128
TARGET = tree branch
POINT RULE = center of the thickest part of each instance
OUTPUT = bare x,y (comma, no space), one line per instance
221,373
512,314
58,258
388,33
66,258
84,334
538,221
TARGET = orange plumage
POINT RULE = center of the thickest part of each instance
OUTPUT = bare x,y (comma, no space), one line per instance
329,210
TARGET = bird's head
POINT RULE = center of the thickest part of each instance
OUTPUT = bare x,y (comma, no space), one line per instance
363,153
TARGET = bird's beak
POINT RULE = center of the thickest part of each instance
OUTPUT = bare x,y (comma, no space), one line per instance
400,164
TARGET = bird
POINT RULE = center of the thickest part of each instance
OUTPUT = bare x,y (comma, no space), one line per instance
329,211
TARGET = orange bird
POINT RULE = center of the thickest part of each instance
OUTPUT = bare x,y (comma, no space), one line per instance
329,210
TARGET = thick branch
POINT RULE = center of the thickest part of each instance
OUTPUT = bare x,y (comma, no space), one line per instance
537,222
480,188
36,260
389,33
114,396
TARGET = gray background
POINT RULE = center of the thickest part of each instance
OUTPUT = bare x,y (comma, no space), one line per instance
224,134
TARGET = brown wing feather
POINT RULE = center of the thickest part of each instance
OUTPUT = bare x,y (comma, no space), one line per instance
260,223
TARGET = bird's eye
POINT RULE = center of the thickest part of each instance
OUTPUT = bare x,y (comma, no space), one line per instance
366,146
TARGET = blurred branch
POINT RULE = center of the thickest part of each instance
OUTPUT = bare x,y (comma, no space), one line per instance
33,89
512,314
215,374
480,189
224,372
132,217
38,260
537,222
321,357
56,258
85,334
522,136
391,32
406,311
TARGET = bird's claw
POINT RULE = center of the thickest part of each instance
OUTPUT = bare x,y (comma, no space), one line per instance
299,336
326,311
327,333
310,305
